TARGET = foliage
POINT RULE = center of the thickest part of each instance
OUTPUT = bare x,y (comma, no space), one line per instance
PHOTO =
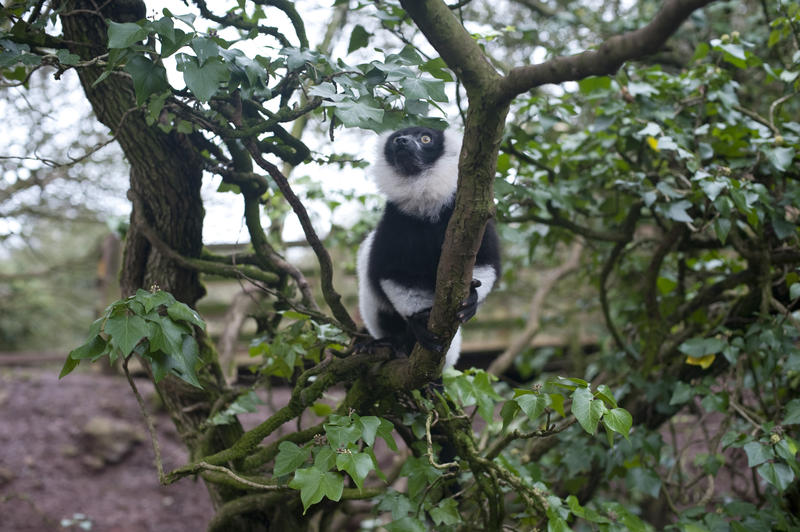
152,325
679,173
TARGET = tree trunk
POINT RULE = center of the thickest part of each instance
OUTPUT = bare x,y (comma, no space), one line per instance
165,179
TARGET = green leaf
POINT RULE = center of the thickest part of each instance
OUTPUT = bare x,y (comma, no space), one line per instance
358,113
125,331
67,58
446,513
166,335
204,81
618,420
94,347
507,413
779,475
532,404
125,34
758,453
205,49
677,211
586,410
181,312
90,349
357,465
700,347
315,484
148,78
69,365
289,458
594,83
420,89
722,226
385,431
407,524
341,436
358,39
644,481
324,458
780,158
792,416
666,285
557,403
682,393
247,402
369,428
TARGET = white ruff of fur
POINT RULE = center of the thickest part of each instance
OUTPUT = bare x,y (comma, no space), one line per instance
422,195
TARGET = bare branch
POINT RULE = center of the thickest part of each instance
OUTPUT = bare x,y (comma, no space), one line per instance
607,58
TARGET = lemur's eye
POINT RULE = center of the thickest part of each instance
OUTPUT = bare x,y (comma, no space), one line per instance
425,139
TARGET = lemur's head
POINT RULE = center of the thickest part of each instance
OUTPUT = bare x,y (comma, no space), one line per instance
413,149
417,169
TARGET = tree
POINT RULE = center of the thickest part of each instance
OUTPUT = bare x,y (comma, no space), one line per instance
680,181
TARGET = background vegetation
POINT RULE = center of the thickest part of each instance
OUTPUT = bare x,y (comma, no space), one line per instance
647,150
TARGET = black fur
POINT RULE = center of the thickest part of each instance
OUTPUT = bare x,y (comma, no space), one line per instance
406,245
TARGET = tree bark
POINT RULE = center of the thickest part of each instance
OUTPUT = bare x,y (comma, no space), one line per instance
165,179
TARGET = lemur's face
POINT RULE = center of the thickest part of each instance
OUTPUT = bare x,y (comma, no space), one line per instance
414,149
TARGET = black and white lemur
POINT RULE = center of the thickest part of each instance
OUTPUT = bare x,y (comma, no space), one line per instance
417,170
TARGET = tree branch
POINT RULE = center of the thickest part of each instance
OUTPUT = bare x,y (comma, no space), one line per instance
607,58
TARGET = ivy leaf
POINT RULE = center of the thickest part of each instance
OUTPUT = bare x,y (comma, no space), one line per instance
358,39
677,211
205,49
532,404
618,420
385,432
369,428
792,407
420,89
247,402
90,349
204,81
315,484
67,58
357,465
508,412
148,78
780,158
181,312
446,513
586,410
289,458
358,113
125,34
758,453
644,481
125,331
341,436
779,475
407,524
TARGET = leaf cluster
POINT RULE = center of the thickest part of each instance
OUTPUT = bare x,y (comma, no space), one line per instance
152,325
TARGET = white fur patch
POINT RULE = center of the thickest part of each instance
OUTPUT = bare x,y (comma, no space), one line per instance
487,276
454,351
422,195
368,300
406,301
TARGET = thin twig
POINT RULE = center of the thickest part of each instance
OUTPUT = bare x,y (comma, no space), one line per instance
151,428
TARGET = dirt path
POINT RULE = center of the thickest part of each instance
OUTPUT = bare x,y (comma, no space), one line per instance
43,477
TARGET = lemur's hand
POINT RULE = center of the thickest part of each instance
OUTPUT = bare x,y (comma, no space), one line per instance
470,305
419,327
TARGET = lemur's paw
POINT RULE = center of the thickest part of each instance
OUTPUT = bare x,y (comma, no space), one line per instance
470,305
419,327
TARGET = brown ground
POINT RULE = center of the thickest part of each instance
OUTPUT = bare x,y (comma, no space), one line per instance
43,478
